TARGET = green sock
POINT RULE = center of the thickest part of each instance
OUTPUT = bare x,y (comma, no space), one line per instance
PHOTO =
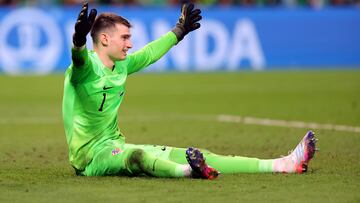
266,165
232,164
227,164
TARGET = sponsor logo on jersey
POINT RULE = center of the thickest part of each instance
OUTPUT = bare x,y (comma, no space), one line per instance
106,88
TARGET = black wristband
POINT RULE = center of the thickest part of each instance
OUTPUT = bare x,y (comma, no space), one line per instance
79,41
179,31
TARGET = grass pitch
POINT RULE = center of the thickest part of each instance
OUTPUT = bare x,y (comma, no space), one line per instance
180,110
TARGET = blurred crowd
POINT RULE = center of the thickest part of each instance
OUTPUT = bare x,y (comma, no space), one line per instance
241,3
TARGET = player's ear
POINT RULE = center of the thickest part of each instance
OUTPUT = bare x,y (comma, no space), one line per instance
104,39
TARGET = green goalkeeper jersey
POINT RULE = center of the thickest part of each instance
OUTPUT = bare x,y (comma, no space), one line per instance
93,94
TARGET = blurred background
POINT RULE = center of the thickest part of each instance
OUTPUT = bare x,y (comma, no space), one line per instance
238,3
35,35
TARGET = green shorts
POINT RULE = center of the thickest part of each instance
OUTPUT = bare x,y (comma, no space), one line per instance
111,157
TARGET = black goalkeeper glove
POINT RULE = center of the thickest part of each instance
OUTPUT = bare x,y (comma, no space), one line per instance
83,25
188,21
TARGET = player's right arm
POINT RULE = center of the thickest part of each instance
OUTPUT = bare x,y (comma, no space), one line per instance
79,54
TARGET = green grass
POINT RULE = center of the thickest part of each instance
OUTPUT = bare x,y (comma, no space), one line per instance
180,110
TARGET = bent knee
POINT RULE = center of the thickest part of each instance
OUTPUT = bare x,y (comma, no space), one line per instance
136,156
135,161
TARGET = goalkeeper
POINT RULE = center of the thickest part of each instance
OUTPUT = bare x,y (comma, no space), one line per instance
94,88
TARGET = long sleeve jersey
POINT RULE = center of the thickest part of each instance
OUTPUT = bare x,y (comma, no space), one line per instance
93,94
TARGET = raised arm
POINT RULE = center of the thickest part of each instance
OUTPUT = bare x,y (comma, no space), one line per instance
79,54
83,25
188,21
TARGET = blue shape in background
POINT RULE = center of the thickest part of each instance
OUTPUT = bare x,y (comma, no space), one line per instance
290,38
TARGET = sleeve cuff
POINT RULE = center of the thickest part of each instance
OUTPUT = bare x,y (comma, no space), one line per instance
79,48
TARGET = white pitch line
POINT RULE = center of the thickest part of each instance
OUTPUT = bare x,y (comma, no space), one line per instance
284,123
220,118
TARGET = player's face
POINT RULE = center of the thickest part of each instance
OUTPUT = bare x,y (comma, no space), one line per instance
119,42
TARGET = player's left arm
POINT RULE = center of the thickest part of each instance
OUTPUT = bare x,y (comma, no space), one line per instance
188,22
151,52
